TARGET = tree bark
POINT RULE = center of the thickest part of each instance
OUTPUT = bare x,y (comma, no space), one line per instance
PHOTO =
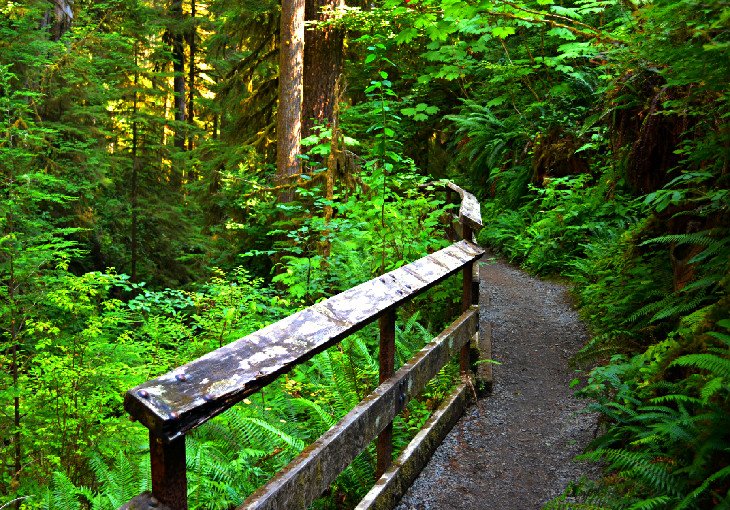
60,19
289,126
192,35
323,55
15,317
135,172
178,86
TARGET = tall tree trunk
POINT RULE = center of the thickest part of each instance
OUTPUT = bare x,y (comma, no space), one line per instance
192,35
12,289
178,85
15,341
289,125
323,51
60,19
135,171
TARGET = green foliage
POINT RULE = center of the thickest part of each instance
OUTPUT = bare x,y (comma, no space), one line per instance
599,146
671,428
558,223
593,130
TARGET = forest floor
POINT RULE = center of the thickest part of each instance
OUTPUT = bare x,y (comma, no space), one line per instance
515,448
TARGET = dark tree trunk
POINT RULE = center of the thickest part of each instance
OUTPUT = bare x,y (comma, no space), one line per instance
135,173
289,127
12,290
59,19
178,67
192,35
323,51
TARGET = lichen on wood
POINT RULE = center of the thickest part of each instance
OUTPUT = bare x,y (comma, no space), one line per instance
184,398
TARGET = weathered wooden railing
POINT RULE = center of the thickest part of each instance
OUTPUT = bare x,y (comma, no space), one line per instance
179,401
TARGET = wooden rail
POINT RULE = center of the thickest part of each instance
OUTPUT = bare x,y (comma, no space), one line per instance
175,403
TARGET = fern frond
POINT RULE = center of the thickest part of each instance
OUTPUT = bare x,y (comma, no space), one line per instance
600,347
717,366
651,308
699,238
118,484
64,494
565,505
685,399
638,466
723,337
719,247
291,441
718,475
679,308
651,503
712,387
326,419
700,285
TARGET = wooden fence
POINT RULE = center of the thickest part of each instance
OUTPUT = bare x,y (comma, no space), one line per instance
177,402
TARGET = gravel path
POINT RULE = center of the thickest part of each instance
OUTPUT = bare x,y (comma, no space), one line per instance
514,449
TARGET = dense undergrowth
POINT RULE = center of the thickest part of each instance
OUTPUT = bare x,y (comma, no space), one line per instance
639,222
594,132
92,342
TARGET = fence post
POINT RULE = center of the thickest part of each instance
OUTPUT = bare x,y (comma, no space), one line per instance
169,477
384,446
467,298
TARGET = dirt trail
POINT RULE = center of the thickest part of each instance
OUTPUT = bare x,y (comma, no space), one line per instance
514,449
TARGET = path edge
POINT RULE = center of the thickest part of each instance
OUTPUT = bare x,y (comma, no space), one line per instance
394,483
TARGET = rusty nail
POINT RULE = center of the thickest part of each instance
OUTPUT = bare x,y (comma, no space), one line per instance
207,397
153,502
181,377
143,394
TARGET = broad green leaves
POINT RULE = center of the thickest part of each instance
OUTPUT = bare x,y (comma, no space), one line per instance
503,32
420,112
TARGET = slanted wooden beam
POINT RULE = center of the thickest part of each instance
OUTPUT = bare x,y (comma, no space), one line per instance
312,472
182,399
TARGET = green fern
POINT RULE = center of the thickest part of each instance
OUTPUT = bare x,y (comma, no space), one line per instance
291,441
668,307
639,466
713,387
651,503
723,337
489,141
62,494
679,398
119,483
326,420
692,496
570,505
699,238
716,365
601,347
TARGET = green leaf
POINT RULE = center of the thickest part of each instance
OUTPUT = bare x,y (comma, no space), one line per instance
496,101
405,36
503,32
562,33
